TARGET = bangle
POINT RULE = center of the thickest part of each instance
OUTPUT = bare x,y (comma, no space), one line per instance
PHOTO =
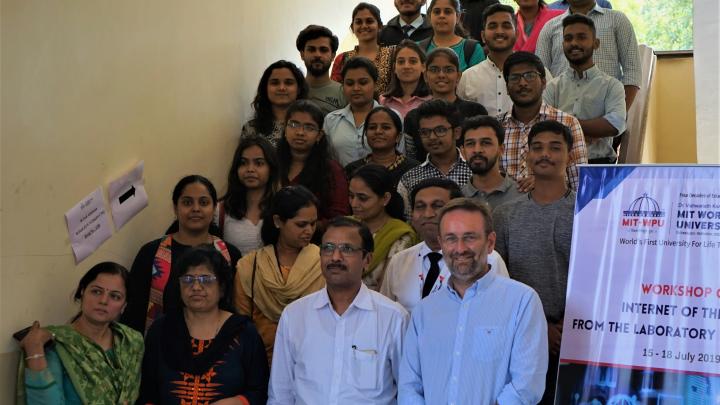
35,356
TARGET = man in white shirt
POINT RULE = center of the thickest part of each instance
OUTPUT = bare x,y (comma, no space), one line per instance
484,82
342,344
416,272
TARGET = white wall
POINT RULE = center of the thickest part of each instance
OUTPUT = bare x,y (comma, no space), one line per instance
91,87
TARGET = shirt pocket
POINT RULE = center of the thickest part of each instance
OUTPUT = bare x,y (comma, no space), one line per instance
488,343
363,368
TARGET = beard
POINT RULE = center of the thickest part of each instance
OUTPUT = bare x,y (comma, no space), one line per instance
581,60
315,71
483,168
468,271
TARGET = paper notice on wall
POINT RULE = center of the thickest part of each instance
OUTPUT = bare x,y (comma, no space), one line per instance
127,196
88,225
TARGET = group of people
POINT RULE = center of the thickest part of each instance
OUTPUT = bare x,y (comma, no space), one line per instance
396,229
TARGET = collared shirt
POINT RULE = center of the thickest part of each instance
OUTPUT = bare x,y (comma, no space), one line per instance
506,191
516,145
407,270
487,347
345,137
459,172
321,357
484,83
595,94
617,56
415,24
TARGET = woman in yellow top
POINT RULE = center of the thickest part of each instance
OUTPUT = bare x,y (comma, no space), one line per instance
375,202
286,268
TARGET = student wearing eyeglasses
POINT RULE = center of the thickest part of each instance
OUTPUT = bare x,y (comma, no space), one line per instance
305,159
287,268
442,75
203,352
439,130
342,344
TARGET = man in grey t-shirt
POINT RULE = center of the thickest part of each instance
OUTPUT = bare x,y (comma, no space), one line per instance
534,233
317,46
482,140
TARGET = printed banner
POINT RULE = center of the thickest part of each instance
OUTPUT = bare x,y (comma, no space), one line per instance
642,317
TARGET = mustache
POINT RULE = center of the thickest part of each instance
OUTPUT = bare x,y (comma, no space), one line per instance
544,160
338,266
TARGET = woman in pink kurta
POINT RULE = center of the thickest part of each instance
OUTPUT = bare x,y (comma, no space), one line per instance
532,15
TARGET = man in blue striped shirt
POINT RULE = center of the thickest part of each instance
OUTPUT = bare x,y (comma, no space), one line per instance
482,339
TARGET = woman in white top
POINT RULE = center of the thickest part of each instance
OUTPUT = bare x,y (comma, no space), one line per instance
253,179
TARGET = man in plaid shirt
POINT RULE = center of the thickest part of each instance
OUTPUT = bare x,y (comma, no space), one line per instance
439,130
525,77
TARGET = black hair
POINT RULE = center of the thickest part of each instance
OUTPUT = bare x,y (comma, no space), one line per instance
447,184
193,178
111,268
378,179
314,32
368,244
447,52
394,88
439,108
206,255
316,172
470,205
579,19
285,204
394,117
521,57
235,201
554,127
499,8
360,62
482,121
372,9
459,29
264,117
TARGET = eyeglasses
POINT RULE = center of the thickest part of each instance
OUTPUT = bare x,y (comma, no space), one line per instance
327,249
439,131
306,127
528,76
448,70
203,279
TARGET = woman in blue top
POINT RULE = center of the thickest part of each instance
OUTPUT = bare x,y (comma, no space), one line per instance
449,33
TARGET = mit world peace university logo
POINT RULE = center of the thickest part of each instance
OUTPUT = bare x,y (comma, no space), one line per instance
644,211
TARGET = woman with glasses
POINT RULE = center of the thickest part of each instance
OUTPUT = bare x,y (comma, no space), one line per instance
444,18
253,178
366,25
203,352
287,268
305,160
442,74
153,287
383,132
93,359
375,202
281,84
